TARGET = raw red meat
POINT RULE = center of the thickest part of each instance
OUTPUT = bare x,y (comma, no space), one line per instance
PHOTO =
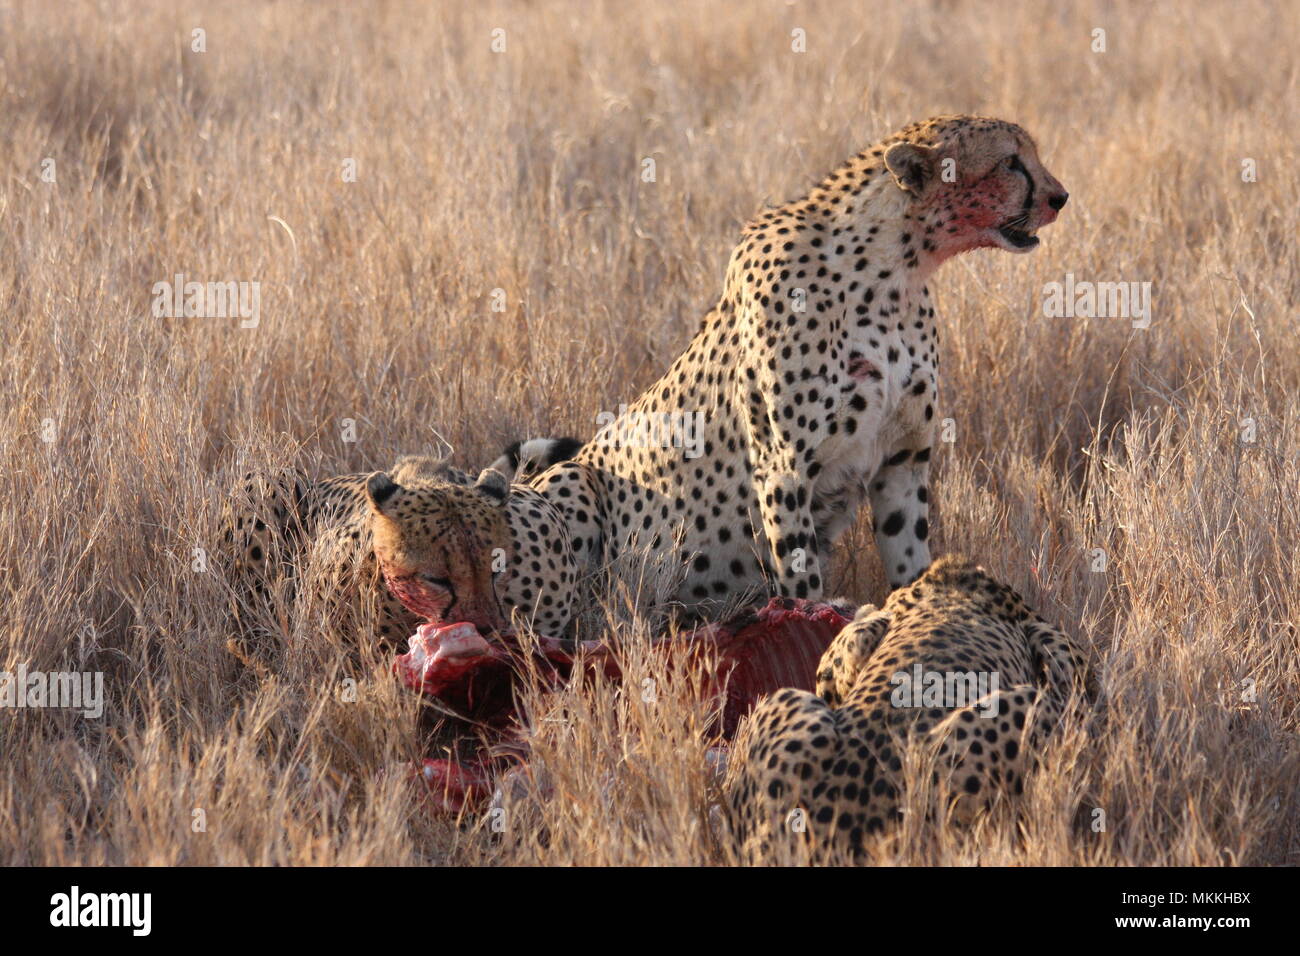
453,786
778,646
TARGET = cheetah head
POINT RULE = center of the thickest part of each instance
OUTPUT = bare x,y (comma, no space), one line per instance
437,544
974,182
972,584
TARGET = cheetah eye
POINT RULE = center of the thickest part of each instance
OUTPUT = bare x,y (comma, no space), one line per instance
1016,165
442,583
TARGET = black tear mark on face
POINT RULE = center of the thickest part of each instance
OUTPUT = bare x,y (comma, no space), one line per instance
1019,167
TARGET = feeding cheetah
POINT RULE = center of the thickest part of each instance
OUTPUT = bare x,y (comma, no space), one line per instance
811,385
426,541
831,761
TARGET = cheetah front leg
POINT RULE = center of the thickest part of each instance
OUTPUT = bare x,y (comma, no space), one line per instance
900,507
985,748
783,502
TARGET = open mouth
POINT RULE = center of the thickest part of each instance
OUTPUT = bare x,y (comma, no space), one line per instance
1015,233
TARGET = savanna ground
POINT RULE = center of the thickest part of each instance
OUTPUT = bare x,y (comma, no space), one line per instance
1172,449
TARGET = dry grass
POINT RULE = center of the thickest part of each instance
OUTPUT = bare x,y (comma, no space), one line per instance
520,171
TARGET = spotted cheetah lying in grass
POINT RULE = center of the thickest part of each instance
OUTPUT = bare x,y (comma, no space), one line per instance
828,765
424,541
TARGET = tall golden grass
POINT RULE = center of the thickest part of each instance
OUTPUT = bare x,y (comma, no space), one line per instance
521,171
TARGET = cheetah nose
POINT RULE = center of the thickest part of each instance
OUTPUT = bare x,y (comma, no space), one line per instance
1057,201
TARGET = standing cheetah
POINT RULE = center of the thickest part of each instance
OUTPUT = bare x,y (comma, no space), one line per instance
833,761
811,385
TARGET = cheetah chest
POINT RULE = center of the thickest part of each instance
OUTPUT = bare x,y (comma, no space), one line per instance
888,388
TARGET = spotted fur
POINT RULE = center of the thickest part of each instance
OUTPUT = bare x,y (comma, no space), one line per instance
813,380
826,768
430,544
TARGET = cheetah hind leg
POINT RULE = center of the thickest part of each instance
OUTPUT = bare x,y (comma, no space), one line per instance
1062,667
986,748
259,522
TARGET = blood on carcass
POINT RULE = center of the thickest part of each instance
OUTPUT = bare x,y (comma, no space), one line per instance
777,646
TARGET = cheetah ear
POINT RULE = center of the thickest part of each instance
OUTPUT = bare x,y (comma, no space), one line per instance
379,489
493,484
913,166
